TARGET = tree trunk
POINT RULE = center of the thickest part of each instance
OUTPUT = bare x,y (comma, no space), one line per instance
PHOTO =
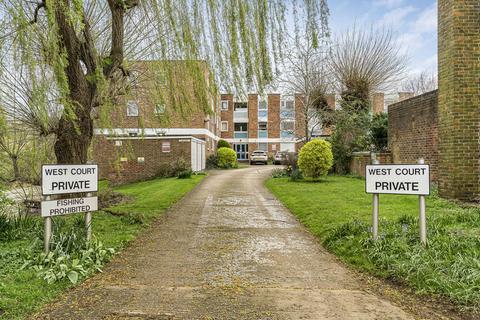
74,134
73,140
307,130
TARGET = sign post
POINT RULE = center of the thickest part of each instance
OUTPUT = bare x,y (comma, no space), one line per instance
407,179
422,216
88,222
47,230
375,203
68,179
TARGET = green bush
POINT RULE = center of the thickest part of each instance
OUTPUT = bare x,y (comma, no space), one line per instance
223,144
379,131
186,174
315,158
227,158
296,175
212,161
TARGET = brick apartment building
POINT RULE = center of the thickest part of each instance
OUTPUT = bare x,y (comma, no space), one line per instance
260,123
146,132
275,122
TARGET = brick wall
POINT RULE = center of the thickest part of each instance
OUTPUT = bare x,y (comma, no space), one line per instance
252,117
108,156
227,116
412,131
299,117
361,159
273,116
459,98
378,102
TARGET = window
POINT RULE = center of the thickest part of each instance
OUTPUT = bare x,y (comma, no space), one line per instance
263,146
241,126
224,105
224,126
132,109
288,104
165,146
141,160
287,125
123,159
262,105
274,147
240,106
118,143
262,126
159,109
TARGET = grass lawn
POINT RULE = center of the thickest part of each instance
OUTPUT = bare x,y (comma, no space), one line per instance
338,211
22,292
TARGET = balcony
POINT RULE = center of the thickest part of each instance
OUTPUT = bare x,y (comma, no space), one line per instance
240,134
240,116
287,114
262,133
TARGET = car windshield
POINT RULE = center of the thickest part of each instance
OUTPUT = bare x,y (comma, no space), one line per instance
259,153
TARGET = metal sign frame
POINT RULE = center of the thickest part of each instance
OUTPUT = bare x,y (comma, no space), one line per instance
406,165
88,215
421,204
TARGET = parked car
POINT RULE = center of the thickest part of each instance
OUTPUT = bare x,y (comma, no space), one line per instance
259,156
280,157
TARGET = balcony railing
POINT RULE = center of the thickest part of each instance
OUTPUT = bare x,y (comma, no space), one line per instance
240,134
240,116
262,133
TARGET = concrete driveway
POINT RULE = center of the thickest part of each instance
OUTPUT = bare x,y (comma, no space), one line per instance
228,250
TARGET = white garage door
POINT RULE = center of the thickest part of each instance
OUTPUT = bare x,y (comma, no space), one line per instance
198,155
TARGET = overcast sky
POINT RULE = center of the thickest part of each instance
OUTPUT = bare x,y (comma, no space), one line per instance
414,21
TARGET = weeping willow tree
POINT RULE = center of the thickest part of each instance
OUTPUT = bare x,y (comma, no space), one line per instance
84,48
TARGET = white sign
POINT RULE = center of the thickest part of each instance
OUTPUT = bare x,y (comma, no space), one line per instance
398,179
68,206
61,179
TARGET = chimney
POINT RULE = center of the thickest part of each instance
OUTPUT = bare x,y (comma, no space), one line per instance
330,101
378,102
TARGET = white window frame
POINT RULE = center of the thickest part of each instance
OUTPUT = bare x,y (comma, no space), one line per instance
222,103
221,126
166,147
159,108
132,103
287,121
285,102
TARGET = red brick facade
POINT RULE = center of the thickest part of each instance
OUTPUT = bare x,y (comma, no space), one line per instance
134,159
413,131
274,116
158,109
252,117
